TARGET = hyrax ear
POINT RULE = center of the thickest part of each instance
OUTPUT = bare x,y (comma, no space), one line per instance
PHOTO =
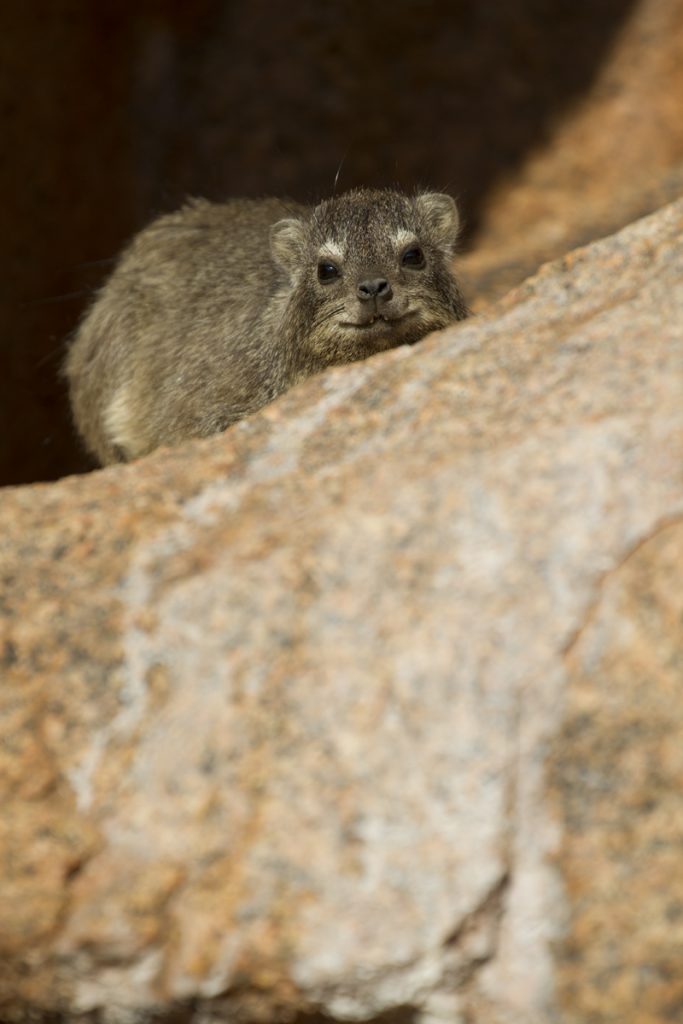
441,217
287,244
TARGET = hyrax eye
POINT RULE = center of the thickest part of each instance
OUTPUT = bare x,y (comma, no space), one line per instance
327,271
413,257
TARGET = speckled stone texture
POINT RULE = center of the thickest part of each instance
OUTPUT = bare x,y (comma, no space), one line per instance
371,705
617,155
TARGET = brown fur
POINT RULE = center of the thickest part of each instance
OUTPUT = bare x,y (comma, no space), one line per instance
214,310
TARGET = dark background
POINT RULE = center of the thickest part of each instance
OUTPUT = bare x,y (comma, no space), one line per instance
113,112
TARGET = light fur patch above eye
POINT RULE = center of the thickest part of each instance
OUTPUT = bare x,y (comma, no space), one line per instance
404,237
330,251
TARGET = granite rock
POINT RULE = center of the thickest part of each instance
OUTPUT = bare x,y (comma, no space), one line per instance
367,708
615,155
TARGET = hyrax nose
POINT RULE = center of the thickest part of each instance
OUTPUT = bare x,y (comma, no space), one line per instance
378,289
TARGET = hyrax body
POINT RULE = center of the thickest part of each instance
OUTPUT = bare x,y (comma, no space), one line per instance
214,310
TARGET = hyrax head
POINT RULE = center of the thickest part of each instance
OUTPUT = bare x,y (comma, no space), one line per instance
370,270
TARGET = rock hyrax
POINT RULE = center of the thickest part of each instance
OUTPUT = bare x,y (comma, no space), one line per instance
214,310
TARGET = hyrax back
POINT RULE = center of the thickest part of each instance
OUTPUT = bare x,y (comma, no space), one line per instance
214,310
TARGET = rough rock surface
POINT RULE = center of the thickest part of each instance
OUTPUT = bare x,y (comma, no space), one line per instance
369,706
617,155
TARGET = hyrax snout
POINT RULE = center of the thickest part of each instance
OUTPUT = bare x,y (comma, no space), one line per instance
214,310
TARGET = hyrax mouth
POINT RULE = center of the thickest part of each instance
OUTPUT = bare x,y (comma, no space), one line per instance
378,320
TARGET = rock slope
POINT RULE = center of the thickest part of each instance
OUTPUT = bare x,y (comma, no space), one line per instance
369,707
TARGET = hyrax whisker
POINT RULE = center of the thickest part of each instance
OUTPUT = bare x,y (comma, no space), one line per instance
323,318
214,310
